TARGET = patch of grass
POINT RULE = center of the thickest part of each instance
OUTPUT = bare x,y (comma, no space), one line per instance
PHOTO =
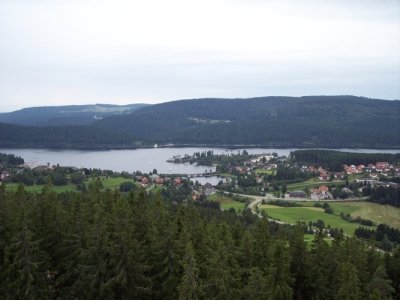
38,188
311,183
112,183
292,215
227,202
265,172
309,238
344,207
377,213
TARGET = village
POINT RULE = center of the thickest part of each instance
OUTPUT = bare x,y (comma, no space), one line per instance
279,177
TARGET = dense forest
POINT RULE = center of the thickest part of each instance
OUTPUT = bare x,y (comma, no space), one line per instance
62,137
334,160
337,121
112,245
385,235
383,195
317,121
10,160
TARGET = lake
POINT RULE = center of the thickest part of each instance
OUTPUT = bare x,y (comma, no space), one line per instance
144,160
213,180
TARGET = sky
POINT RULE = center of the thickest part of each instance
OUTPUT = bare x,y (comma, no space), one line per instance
60,52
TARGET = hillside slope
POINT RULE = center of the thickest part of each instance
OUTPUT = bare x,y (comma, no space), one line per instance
317,121
84,137
65,115
314,121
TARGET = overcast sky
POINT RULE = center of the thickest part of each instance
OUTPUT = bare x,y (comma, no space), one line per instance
57,52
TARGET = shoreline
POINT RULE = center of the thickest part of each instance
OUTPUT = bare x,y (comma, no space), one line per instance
220,146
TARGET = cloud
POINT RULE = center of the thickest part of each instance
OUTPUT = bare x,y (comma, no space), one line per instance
60,51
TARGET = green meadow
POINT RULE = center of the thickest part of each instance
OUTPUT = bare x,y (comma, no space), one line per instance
39,188
227,202
307,212
292,215
111,183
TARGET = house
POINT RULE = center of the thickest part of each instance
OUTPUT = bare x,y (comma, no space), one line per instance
240,170
373,175
320,193
195,196
312,169
352,169
360,168
297,194
144,181
339,175
323,190
4,175
159,181
323,177
382,165
177,181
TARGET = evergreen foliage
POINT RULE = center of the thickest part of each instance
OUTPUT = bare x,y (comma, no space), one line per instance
134,245
315,121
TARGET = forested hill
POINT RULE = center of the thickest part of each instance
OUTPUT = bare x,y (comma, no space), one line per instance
65,115
62,137
314,121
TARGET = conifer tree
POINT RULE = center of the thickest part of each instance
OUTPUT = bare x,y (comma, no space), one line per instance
128,279
279,276
257,286
349,284
189,287
261,237
26,263
299,262
381,285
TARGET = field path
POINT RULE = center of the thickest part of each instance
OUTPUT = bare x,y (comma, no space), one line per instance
256,200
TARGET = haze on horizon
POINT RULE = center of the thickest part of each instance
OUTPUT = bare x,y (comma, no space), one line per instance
61,52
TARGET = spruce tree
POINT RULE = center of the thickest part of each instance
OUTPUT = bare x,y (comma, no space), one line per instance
381,284
26,264
349,285
189,287
279,276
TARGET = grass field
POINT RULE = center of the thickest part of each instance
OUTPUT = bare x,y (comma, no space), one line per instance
366,210
311,183
309,238
292,215
227,202
265,172
110,183
113,182
39,188
377,213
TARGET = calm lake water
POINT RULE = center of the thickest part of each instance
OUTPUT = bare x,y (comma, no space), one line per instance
213,180
144,160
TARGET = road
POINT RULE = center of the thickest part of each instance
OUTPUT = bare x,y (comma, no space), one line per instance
272,197
253,204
